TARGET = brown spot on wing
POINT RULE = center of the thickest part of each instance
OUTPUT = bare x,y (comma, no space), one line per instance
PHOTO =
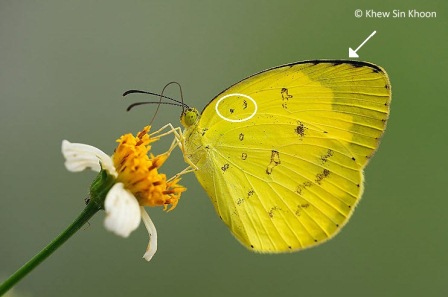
272,211
275,161
300,207
285,97
321,176
300,129
303,186
324,158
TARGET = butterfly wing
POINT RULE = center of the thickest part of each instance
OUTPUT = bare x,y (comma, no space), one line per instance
281,153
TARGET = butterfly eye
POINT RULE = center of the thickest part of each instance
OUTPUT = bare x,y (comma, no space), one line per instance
189,117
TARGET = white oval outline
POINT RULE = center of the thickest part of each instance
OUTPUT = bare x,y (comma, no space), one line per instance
236,121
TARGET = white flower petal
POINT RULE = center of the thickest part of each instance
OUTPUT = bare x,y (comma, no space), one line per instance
80,156
122,211
152,245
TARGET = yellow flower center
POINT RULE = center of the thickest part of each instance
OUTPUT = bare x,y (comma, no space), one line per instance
138,171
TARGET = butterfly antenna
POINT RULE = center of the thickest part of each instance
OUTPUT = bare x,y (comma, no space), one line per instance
162,96
151,93
160,102
181,94
146,102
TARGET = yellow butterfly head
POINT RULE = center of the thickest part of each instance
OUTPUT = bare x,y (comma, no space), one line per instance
189,117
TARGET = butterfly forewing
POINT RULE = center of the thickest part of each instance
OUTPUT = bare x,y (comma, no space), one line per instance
282,154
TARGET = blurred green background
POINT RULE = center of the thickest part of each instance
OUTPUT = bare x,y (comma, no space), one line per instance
63,68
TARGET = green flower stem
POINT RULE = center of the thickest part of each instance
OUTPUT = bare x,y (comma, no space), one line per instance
99,188
86,214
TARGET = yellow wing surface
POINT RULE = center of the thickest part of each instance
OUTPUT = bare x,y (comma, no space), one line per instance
281,153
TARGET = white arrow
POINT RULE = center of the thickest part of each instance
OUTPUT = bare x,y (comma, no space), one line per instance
352,53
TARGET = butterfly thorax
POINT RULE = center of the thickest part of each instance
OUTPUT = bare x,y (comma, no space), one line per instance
193,145
193,136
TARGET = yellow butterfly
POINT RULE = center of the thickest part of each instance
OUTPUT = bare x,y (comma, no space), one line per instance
281,153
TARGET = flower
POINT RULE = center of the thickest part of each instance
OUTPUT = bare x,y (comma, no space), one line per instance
136,182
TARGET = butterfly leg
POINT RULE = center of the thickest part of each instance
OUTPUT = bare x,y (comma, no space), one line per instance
171,130
185,171
178,141
178,138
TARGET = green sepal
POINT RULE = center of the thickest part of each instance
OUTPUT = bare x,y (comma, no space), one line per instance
101,185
